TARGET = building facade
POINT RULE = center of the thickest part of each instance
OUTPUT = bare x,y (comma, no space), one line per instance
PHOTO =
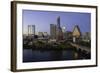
59,35
31,30
76,33
53,29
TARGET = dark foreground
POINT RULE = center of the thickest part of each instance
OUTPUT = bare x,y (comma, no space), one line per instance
42,51
30,55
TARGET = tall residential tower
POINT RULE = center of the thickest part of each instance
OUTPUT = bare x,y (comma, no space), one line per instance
53,28
31,30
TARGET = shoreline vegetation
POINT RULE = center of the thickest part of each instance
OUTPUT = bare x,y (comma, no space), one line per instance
58,48
39,45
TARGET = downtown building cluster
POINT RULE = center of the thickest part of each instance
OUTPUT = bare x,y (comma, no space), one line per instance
58,33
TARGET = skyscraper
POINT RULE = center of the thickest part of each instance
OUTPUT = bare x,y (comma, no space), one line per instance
58,22
53,28
59,35
76,33
64,32
31,30
63,29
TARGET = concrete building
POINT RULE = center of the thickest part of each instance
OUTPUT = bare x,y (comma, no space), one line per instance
40,34
45,33
31,30
53,29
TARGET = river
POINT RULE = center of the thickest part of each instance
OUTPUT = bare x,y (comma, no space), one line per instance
30,55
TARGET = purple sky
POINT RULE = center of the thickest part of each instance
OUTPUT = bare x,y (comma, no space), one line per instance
43,19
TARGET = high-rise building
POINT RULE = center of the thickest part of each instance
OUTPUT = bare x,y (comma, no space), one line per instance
64,32
58,22
31,29
76,33
63,29
59,35
56,30
53,28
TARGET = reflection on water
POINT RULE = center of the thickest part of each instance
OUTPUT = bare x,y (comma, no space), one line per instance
30,55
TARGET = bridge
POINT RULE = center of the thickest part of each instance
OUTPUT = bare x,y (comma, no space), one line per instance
83,48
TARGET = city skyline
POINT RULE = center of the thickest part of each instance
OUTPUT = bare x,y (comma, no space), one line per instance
43,19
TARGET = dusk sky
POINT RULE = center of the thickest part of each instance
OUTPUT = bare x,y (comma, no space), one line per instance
43,19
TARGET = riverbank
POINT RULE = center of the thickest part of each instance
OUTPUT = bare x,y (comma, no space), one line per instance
50,46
